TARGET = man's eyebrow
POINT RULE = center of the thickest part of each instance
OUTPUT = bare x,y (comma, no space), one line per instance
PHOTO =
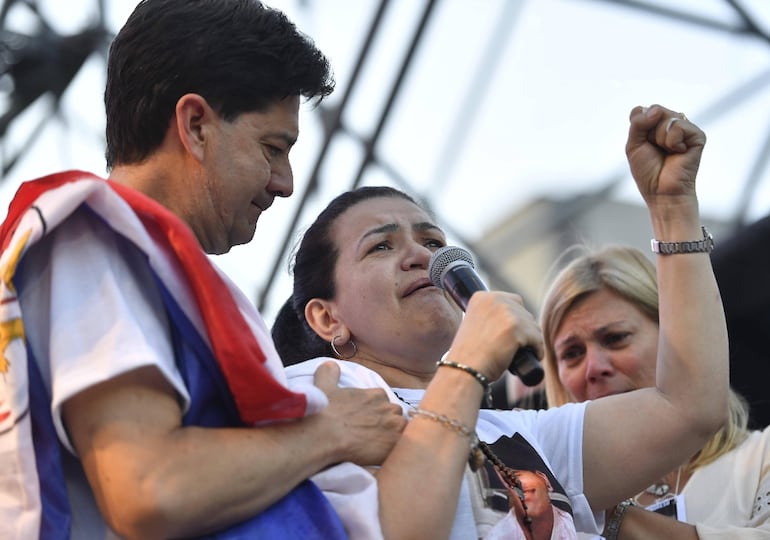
289,139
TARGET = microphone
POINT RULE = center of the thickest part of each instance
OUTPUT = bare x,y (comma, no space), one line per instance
451,268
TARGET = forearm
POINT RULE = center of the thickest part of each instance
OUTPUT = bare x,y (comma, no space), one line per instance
641,524
692,370
689,403
667,424
152,477
198,480
419,483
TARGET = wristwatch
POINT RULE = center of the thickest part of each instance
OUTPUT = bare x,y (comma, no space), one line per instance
694,246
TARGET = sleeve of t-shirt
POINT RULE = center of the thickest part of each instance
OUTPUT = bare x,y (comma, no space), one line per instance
92,311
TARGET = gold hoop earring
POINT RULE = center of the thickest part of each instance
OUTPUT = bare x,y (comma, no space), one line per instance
337,353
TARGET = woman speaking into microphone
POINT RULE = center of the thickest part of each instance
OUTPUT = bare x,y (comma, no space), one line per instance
363,298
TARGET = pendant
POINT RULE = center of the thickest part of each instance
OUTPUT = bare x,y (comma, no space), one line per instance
658,490
476,459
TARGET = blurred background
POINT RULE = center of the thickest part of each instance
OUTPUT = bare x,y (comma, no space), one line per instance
508,118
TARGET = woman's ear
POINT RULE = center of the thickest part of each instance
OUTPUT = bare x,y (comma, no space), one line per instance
320,316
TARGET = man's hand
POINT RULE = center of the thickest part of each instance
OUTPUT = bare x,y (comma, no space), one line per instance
363,421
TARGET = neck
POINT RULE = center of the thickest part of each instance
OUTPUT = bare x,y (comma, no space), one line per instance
153,178
397,377
146,178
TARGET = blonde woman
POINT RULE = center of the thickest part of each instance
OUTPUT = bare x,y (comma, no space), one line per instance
600,324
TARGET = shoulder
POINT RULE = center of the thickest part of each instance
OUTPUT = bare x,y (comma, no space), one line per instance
546,424
756,445
352,375
77,253
747,460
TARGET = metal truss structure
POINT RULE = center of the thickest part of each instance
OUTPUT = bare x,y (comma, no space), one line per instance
39,64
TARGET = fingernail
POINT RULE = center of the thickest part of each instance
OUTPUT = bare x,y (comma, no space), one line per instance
644,110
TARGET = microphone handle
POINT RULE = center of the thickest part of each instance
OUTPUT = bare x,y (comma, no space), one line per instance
526,367
461,286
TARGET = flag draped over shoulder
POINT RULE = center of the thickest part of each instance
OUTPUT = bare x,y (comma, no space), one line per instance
249,387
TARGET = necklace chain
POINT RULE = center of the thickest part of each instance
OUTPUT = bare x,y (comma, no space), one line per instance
403,400
661,490
506,474
509,478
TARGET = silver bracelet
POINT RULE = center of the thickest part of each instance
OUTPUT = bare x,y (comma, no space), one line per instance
613,525
693,246
483,381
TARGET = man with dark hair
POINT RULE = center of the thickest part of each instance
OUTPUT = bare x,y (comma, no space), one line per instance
141,394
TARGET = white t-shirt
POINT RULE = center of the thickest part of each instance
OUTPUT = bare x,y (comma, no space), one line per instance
101,304
104,318
103,301
549,439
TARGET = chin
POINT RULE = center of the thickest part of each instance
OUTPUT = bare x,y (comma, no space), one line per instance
448,318
242,237
441,331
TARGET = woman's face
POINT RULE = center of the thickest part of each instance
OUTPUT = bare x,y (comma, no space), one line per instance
605,345
383,292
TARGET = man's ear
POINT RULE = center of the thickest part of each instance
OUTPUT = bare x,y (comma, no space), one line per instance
193,117
320,316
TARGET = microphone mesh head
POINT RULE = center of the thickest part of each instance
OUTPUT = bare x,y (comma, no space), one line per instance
442,258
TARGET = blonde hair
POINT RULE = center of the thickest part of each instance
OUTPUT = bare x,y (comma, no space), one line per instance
626,271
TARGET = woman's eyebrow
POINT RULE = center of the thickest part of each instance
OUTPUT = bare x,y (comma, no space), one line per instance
426,226
389,227
393,227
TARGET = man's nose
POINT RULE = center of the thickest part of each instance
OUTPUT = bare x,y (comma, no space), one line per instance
281,181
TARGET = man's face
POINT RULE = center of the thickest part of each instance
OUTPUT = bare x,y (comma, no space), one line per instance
247,166
536,490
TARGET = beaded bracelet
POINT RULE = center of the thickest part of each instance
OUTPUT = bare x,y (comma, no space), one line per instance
613,524
475,458
483,381
445,420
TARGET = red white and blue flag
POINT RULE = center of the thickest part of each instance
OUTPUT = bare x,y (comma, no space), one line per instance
229,378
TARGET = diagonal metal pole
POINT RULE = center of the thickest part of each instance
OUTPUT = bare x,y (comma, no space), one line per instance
331,127
372,140
688,17
475,93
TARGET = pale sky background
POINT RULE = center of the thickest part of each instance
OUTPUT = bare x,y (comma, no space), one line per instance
551,120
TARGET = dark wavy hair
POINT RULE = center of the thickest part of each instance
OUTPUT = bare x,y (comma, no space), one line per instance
240,55
313,267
